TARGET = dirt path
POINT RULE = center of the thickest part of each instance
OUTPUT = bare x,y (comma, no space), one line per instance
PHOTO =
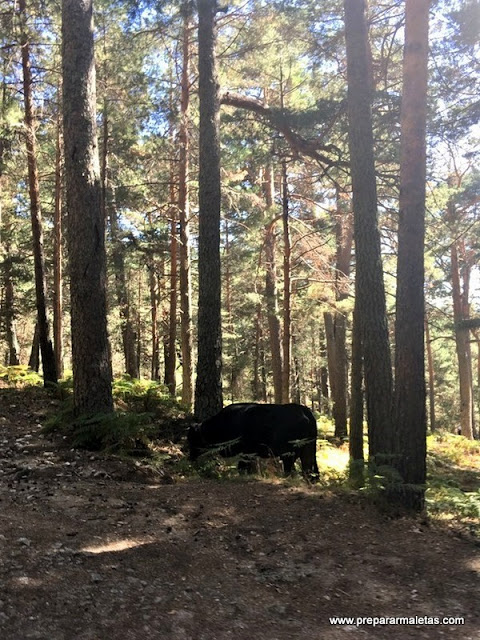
93,549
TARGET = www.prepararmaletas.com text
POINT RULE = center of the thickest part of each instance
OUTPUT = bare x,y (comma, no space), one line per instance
397,620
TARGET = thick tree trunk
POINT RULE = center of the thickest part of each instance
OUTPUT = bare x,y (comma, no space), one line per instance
184,214
369,273
46,346
92,376
410,392
208,388
462,343
58,258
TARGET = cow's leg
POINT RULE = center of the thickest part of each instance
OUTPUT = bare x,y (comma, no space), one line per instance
308,457
288,464
247,465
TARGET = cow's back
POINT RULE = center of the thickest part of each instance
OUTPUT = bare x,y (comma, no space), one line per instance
276,428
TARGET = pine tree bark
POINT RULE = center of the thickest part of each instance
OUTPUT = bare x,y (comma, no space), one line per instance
34,359
271,299
410,389
153,285
9,310
92,377
171,354
431,376
462,343
46,346
58,257
287,289
184,215
369,273
356,395
208,388
335,323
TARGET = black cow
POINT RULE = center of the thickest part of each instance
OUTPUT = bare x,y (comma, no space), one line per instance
288,431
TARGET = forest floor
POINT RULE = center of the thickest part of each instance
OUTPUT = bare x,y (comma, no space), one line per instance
98,548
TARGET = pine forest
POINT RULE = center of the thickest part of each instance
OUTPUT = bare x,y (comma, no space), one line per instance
264,201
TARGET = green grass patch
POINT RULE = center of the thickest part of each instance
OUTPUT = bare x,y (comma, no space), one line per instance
20,376
453,489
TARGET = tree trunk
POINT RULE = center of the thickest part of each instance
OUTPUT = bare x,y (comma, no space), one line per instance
431,376
208,388
335,333
369,273
109,213
462,343
323,379
410,392
171,353
356,396
271,300
58,258
10,331
287,289
46,347
92,376
34,360
184,214
153,284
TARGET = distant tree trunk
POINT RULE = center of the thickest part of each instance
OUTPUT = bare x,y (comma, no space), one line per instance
462,342
184,214
153,284
323,379
287,289
335,332
256,354
335,323
369,273
57,258
9,310
410,392
296,381
171,352
109,213
46,347
34,360
356,395
208,389
431,376
271,300
92,376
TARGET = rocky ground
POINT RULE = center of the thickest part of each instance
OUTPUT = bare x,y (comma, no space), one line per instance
100,549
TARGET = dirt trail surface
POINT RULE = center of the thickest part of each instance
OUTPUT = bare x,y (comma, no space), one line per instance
98,549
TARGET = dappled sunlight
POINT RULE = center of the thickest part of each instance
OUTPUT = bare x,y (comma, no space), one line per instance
333,458
116,545
26,581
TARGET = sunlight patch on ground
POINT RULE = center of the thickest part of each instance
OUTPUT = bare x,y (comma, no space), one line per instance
117,545
25,581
